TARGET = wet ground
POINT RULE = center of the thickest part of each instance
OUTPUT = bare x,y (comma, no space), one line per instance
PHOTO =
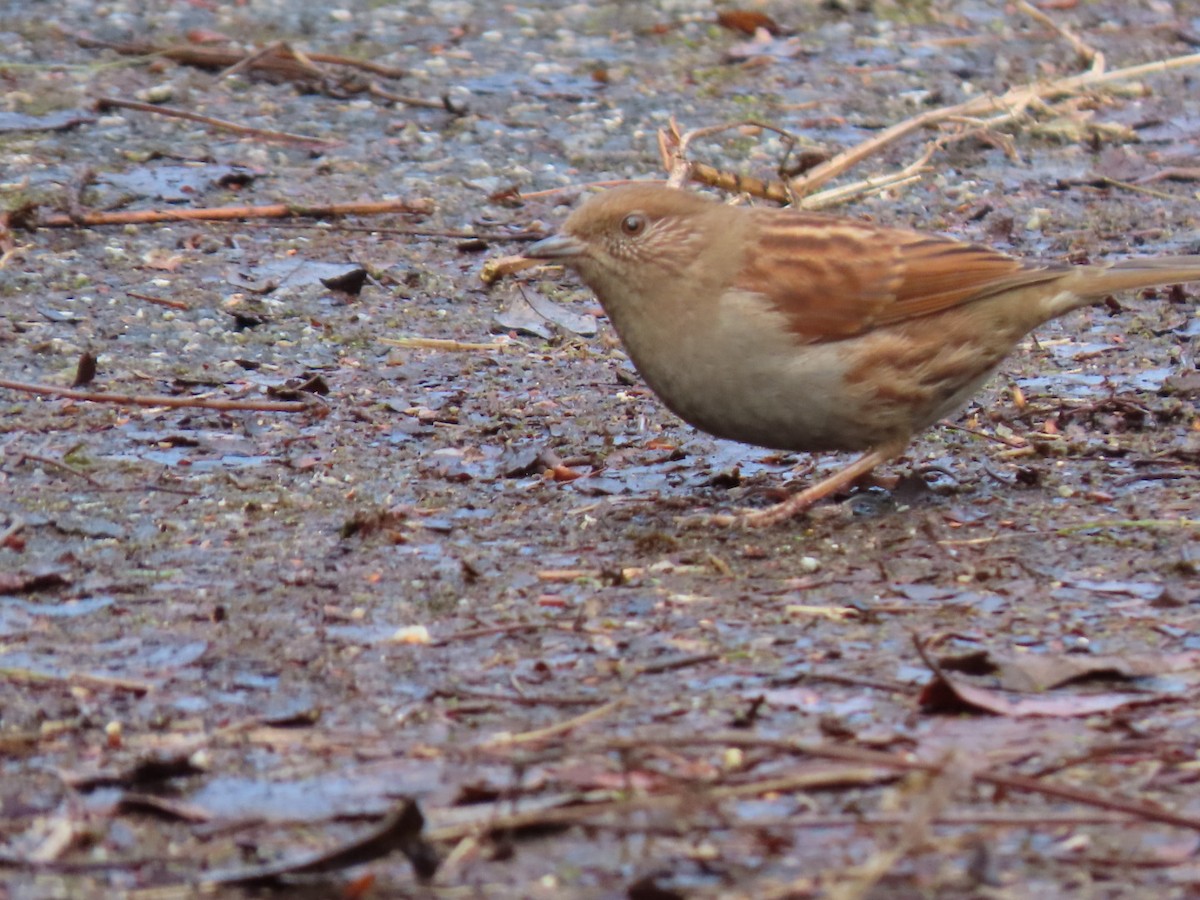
231,637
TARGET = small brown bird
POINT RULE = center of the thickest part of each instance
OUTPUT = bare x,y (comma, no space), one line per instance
799,331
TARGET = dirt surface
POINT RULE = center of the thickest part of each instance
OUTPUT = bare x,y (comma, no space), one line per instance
230,638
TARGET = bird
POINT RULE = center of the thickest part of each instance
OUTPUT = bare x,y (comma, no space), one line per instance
801,331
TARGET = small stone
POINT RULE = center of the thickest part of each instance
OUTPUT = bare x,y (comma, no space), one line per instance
159,93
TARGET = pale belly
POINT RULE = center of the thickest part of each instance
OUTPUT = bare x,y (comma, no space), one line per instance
747,380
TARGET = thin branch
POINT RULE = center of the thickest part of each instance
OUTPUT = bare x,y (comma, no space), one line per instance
541,734
444,103
1009,106
424,343
105,103
159,301
1108,801
50,390
281,61
58,464
224,213
1087,53
999,110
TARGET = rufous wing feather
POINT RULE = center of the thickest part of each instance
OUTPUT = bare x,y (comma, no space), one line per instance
835,279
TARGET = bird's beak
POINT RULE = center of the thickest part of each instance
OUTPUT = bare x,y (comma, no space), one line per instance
558,246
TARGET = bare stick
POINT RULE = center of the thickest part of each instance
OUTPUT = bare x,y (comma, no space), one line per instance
280,48
1147,811
105,103
672,152
1006,108
444,103
541,734
1087,53
223,213
283,64
59,464
423,343
1009,106
160,400
159,301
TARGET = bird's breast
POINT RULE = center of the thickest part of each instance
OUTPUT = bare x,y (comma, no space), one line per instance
736,371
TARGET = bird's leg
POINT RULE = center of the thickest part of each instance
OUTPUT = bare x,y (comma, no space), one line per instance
803,500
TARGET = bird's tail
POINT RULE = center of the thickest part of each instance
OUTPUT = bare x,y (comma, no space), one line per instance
1131,274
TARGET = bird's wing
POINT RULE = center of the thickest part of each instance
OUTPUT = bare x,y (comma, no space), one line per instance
835,278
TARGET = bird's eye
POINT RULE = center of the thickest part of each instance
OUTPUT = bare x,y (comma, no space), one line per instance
633,224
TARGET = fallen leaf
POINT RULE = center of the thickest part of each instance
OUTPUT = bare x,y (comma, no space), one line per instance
747,21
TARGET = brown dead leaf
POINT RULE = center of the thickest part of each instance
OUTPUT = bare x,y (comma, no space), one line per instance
400,831
946,694
19,582
1043,671
162,260
747,21
85,369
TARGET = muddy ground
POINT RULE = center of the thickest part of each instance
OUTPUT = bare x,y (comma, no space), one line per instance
230,638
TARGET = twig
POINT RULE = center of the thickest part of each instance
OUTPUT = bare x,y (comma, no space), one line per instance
925,805
219,213
1014,443
1137,189
1068,530
85,679
62,867
673,147
864,188
688,797
1173,173
1168,475
672,152
58,464
541,734
419,343
251,59
399,830
519,699
466,235
285,65
1010,105
361,64
891,820
159,301
1086,52
670,665
444,103
1142,810
160,400
104,103
13,252
487,631
806,675
1006,108
14,527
